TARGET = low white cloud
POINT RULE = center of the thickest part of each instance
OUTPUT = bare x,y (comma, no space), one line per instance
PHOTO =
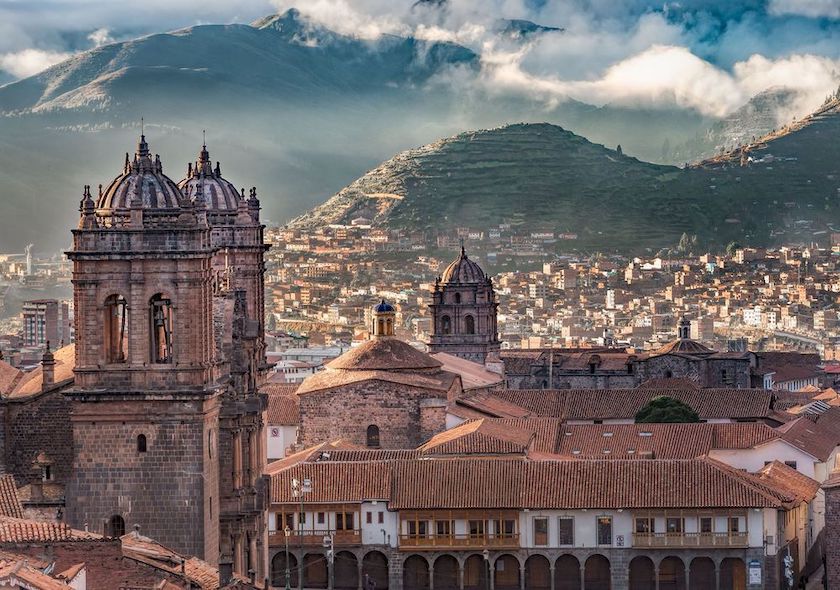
100,37
809,8
30,61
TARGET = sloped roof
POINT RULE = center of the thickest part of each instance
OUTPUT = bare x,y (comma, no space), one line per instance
439,381
683,346
20,574
814,438
9,500
384,354
20,530
353,481
663,441
480,437
283,409
600,404
566,485
9,377
802,487
32,382
473,375
150,552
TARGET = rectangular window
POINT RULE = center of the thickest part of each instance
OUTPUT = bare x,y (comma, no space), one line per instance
443,528
674,525
604,525
734,525
381,517
369,517
791,464
477,528
540,531
288,520
344,521
706,524
302,517
645,525
417,528
320,518
566,530
505,528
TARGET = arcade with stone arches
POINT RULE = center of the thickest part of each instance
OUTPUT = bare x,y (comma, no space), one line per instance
609,569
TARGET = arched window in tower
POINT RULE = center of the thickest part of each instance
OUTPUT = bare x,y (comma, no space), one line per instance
141,443
457,298
380,328
446,325
469,324
116,526
116,329
160,315
373,436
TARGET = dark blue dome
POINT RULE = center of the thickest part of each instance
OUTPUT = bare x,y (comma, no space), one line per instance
384,306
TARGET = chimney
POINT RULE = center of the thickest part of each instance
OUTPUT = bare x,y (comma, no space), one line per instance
47,369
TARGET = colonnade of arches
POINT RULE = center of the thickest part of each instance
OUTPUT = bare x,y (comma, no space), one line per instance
507,572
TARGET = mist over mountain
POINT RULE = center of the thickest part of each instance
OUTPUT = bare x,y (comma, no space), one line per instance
289,105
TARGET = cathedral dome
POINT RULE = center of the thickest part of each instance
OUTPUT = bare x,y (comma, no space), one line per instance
463,270
383,307
142,185
219,194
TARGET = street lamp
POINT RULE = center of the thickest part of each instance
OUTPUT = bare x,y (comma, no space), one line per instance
287,532
299,488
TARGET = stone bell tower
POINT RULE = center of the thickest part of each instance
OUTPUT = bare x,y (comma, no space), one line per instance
147,392
464,310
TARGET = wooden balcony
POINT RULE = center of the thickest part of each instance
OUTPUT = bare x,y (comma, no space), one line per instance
706,540
436,543
315,538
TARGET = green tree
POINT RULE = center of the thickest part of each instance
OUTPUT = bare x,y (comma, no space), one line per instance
731,247
666,409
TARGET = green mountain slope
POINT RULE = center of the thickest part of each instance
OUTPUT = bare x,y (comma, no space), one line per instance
541,177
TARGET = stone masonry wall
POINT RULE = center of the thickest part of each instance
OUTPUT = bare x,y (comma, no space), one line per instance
347,411
40,423
165,490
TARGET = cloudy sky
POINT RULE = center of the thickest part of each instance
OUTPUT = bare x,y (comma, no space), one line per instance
711,55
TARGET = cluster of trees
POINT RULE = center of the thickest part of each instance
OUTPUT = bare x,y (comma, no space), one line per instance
663,409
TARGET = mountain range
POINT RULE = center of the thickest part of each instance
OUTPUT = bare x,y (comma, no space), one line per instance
288,105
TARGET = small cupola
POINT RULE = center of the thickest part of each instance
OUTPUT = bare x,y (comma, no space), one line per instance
384,319
684,330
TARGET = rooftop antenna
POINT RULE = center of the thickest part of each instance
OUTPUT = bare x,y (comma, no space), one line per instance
142,126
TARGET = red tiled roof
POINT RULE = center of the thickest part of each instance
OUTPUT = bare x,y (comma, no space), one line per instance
335,482
669,383
483,437
283,409
814,438
22,575
9,500
384,354
781,476
19,530
150,552
31,383
440,381
603,404
662,441
566,485
9,377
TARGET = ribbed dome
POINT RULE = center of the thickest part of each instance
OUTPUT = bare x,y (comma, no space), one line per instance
219,194
142,185
463,270
383,307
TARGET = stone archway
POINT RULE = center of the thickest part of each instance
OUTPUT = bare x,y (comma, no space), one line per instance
315,572
733,574
416,573
506,572
567,573
475,573
642,574
375,570
345,571
537,573
278,570
672,574
597,574
446,574
701,573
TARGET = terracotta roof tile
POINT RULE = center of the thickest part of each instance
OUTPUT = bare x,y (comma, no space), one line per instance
150,552
22,575
780,475
812,437
483,437
329,379
9,500
19,530
335,482
31,383
601,404
9,377
384,354
283,409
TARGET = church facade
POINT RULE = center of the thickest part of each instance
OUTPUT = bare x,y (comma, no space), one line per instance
160,391
464,310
